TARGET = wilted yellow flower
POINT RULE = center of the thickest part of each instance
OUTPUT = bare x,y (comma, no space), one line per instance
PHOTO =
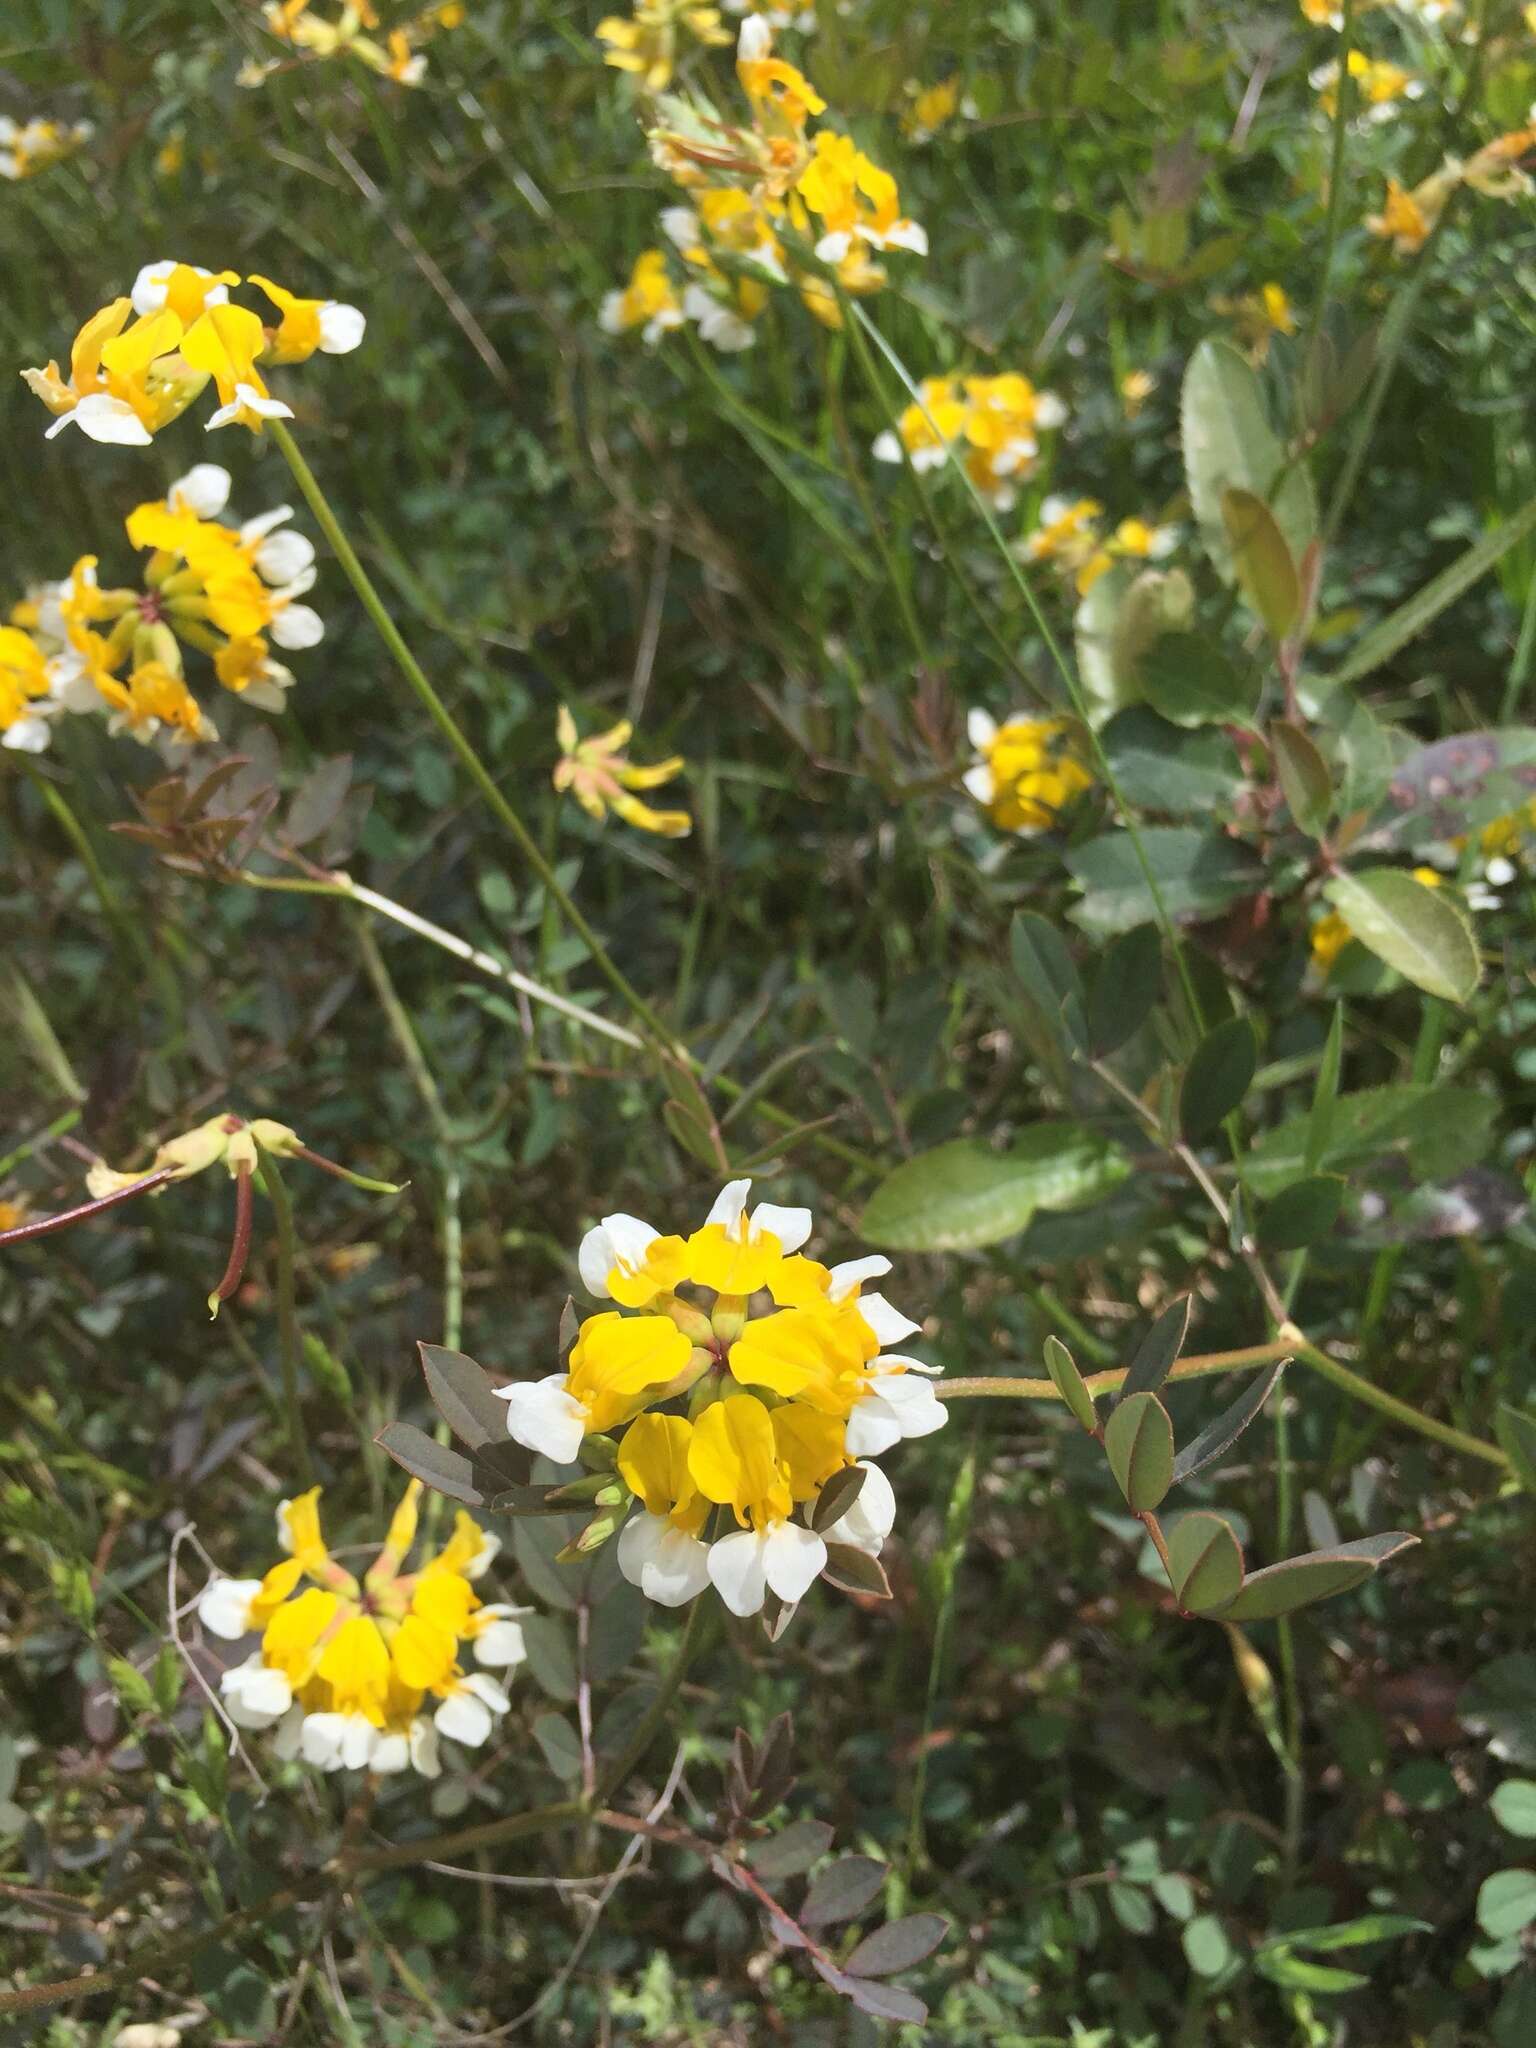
1068,534
1136,387
646,44
1027,772
601,779
1259,316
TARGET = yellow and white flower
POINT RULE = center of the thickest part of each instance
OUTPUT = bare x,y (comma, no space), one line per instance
1027,773
346,1670
27,147
743,1375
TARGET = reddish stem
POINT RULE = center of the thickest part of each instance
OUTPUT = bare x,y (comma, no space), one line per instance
319,1159
41,1226
240,1244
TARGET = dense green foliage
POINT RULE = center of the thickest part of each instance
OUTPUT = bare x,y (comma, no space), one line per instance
1067,1079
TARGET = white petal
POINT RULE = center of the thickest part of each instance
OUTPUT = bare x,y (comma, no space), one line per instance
341,328
103,418
908,235
358,1738
203,490
887,1325
224,1607
871,1518
887,446
755,40
424,1750
542,1416
736,1571
465,1719
148,293
793,1559
391,1753
1049,410
289,1734
264,522
630,1240
980,782
27,735
502,1643
729,1206
297,625
852,1273
918,1409
680,225
872,1427
285,558
638,1540
980,728
595,1261
834,247
677,1570
256,1695
790,1226
480,1563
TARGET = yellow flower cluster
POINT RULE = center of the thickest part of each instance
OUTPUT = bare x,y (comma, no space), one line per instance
764,194
397,58
782,1367
1258,317
1069,535
998,420
1379,86
27,147
931,107
346,1667
646,43
1027,771
142,360
229,592
1409,217
601,778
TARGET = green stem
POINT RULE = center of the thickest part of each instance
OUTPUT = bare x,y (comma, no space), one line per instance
130,940
1290,1344
956,1525
898,574
290,1345
1344,97
449,727
656,1713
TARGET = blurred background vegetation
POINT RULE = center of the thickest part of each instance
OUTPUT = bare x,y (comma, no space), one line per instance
1094,1794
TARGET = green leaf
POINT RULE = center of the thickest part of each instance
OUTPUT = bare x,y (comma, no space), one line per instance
1048,975
1326,1093
1069,1383
1302,1214
1206,1947
1218,1077
1218,1436
1514,1807
551,1659
1440,1130
1197,874
837,1497
843,1891
1265,567
1304,777
1426,605
853,1570
561,1748
1138,1441
1516,1432
1206,1561
1117,624
1423,933
1190,681
1229,444
1281,1967
1357,1933
962,1196
461,1393
437,1465
1159,767
898,1945
689,1133
1154,1356
1301,1581
1506,1903
1126,987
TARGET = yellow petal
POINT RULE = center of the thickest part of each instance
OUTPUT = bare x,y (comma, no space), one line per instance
653,1459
